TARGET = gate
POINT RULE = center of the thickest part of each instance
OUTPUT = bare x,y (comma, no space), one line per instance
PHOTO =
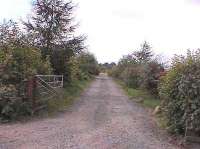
43,88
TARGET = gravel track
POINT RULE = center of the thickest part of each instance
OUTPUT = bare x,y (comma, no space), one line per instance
102,118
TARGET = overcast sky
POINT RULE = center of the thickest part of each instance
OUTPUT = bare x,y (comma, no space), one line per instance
117,27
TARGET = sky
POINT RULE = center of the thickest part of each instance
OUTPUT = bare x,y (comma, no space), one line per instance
118,27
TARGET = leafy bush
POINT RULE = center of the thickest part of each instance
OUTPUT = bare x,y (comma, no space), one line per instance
180,91
12,105
88,64
139,69
150,75
131,76
21,64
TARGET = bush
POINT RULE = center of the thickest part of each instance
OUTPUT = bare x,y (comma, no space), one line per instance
150,75
88,64
23,63
20,65
180,91
131,76
139,70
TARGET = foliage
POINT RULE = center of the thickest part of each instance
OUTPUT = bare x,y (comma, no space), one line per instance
150,75
52,28
51,23
106,67
11,105
144,55
180,90
21,65
70,92
88,64
48,45
139,69
140,95
10,35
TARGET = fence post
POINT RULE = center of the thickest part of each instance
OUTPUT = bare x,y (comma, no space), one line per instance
62,81
54,81
34,92
29,90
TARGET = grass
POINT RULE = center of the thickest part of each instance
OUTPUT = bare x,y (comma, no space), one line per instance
69,94
141,96
148,101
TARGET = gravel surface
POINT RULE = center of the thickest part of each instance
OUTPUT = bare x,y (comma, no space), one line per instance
102,118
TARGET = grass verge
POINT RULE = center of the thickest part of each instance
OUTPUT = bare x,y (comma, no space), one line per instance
146,100
69,94
140,96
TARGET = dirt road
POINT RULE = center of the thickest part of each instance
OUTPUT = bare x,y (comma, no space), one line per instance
103,118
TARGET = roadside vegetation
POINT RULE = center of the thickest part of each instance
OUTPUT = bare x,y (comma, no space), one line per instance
45,44
69,95
180,91
175,91
140,95
139,75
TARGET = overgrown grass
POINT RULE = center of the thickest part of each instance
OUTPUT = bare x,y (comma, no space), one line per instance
141,96
68,95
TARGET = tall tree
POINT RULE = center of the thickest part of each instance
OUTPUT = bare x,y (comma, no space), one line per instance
51,24
51,28
145,54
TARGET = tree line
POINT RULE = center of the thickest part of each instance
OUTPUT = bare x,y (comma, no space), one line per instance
176,86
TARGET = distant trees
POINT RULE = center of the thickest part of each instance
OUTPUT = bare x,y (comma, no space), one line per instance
88,64
139,69
106,66
177,87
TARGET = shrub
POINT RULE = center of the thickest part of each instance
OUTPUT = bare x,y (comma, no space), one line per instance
150,75
88,64
180,91
131,76
139,69
21,64
13,105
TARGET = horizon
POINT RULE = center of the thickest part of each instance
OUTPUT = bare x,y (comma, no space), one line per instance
120,28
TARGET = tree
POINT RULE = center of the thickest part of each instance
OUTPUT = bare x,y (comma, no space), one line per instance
10,35
51,24
51,28
88,63
145,54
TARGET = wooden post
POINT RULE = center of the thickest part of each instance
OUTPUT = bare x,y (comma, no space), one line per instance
34,92
54,81
30,89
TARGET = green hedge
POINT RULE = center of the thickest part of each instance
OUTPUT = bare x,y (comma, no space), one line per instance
19,65
180,91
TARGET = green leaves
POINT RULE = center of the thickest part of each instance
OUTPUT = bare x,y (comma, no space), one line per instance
180,89
21,65
140,69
